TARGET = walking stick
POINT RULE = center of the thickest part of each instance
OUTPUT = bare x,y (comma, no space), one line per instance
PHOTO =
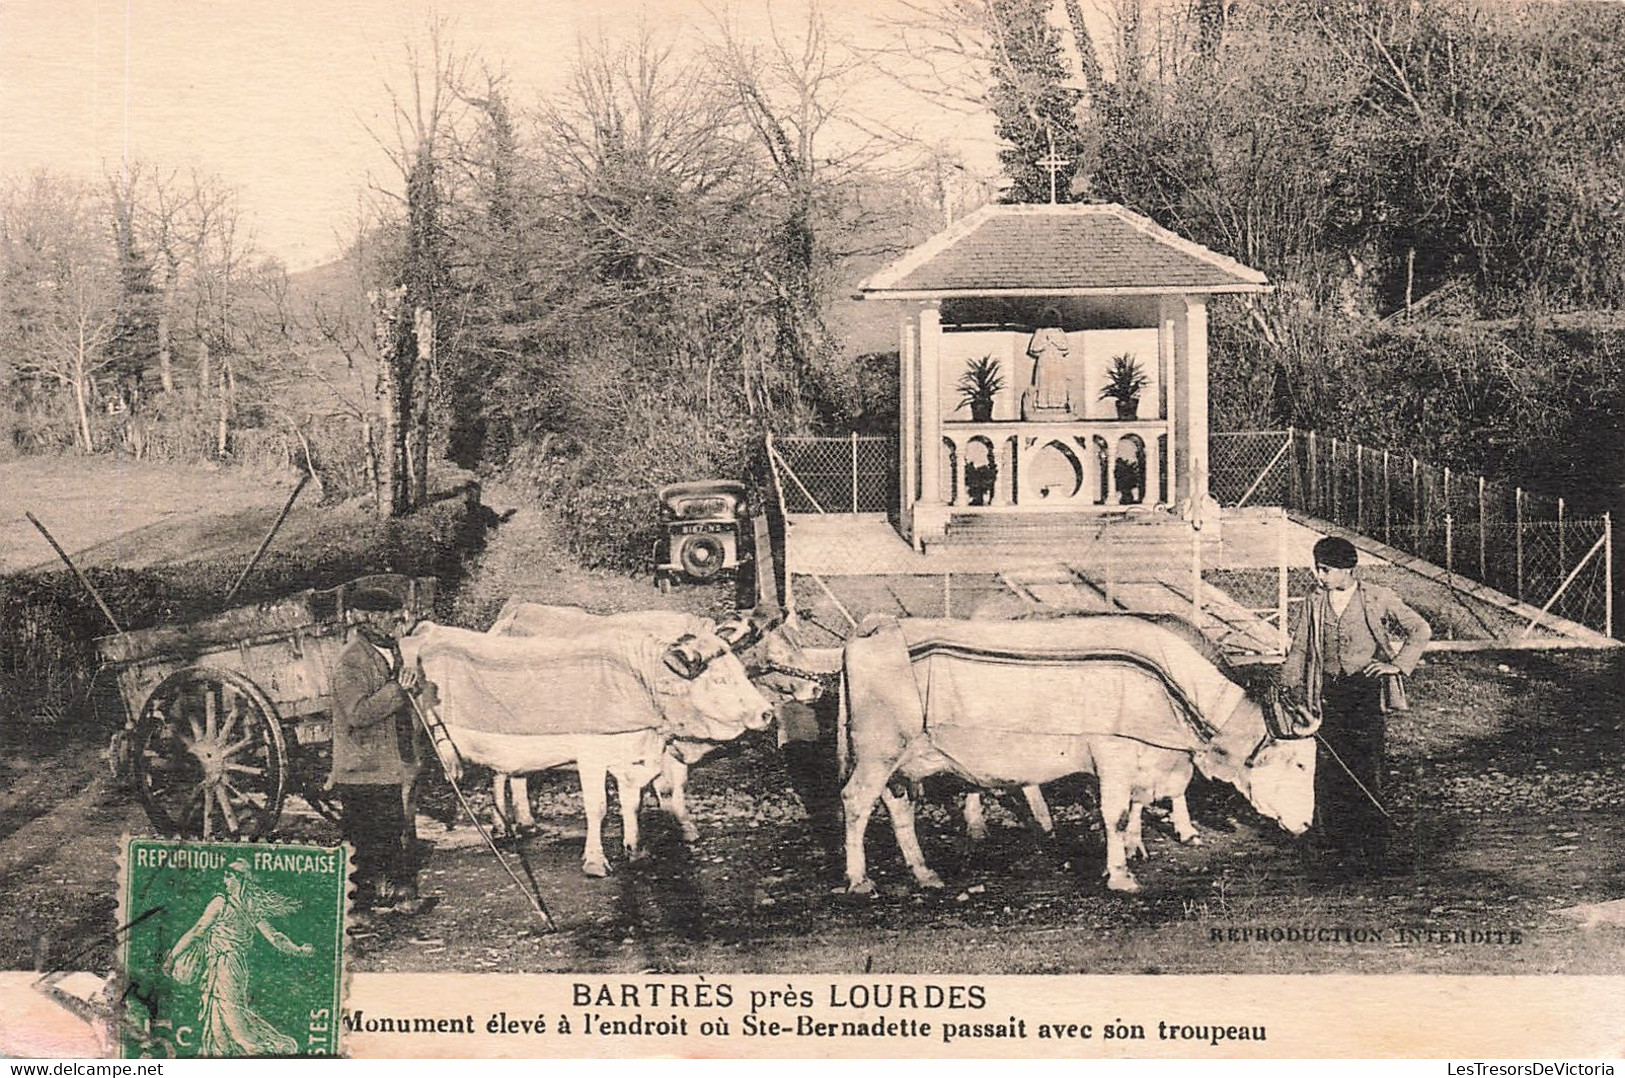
1369,795
534,894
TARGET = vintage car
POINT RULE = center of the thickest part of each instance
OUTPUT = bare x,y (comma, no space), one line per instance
704,530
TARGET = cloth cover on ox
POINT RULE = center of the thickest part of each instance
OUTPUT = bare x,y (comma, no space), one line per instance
519,618
999,698
600,683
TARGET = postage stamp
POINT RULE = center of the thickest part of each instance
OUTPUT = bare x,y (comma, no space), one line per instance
231,948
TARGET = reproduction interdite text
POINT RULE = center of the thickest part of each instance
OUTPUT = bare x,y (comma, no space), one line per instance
949,1013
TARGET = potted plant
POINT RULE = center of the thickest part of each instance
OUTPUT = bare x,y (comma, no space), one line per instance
1123,384
978,386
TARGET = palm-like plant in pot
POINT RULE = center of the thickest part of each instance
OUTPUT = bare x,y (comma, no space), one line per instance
979,386
1124,381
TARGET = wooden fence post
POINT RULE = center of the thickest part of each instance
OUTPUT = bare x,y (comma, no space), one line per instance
1281,580
1483,526
1608,573
1359,486
855,472
1292,485
1333,483
1562,545
1449,512
1387,503
1416,506
1314,477
1517,533
1449,546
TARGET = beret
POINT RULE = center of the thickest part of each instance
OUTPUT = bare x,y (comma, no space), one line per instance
1336,553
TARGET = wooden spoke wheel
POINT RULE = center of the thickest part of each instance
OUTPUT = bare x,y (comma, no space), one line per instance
209,756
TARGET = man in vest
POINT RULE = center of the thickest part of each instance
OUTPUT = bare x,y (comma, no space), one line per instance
1340,656
375,755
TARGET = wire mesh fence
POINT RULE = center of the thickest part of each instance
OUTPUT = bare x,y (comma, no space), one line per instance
1522,544
855,474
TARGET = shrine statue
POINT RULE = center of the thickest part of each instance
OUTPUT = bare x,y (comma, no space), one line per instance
1049,396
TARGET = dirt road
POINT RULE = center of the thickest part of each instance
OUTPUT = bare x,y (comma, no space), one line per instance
1505,782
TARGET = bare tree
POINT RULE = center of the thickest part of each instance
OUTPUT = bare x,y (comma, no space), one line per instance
61,286
426,112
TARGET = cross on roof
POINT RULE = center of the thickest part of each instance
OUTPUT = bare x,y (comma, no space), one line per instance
1052,163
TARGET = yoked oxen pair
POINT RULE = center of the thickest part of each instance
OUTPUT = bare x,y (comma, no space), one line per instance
607,701
1005,704
520,618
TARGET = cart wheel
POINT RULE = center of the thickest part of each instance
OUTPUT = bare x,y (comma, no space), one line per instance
209,757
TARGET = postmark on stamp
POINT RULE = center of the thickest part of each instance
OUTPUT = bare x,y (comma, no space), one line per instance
231,948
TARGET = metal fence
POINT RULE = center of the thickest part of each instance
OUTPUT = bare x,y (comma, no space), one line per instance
843,558
855,474
1520,543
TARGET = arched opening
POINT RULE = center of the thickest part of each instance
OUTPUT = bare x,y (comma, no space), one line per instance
1128,470
981,471
1054,473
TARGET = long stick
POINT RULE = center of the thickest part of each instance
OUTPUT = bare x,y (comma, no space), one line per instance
534,893
266,542
1369,795
63,554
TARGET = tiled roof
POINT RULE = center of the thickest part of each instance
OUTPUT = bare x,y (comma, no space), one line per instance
1059,250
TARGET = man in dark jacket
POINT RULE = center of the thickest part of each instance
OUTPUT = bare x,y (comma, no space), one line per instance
1339,656
375,754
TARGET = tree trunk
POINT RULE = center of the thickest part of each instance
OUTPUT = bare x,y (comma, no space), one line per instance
222,439
369,454
390,488
418,431
205,370
166,370
83,408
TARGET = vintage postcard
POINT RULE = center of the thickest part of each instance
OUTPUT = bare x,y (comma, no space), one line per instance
940,528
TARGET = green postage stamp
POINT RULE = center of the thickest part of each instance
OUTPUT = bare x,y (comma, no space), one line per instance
231,948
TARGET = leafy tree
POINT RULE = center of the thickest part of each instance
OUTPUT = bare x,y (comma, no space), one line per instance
1034,108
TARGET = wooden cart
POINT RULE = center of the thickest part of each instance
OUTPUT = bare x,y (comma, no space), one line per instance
225,717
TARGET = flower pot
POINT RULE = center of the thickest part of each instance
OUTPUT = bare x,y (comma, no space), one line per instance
981,411
1129,409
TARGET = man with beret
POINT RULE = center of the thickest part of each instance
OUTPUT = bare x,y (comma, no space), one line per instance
1340,653
375,754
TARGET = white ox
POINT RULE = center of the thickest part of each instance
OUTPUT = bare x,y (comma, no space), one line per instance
1018,703
609,702
519,618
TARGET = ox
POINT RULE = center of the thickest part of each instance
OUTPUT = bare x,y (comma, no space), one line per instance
1038,809
1017,703
609,702
518,618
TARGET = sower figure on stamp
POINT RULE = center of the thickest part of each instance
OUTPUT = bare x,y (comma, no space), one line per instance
1340,656
375,755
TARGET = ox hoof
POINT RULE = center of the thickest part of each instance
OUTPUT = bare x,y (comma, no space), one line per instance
1136,852
596,869
1124,882
639,854
1191,840
928,878
864,886
690,833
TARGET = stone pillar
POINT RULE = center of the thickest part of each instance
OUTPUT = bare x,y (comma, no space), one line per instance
931,514
908,416
1167,329
1190,411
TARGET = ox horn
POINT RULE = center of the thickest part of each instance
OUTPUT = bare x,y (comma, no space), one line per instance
688,658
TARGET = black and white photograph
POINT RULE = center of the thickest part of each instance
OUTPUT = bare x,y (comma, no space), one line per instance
884,509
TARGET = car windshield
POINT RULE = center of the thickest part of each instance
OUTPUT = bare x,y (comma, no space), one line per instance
719,505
